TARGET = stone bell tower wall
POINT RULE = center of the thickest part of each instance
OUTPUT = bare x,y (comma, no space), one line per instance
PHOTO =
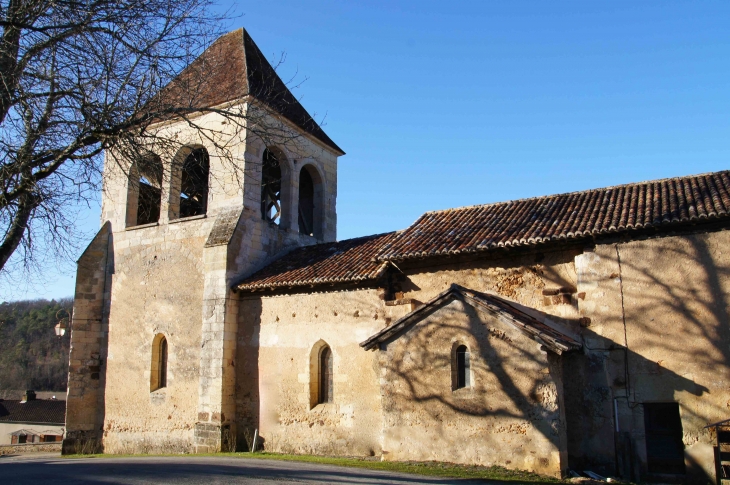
172,278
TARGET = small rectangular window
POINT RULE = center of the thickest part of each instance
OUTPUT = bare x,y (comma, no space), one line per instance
664,446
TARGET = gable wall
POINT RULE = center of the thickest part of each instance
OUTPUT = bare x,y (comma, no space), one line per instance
510,415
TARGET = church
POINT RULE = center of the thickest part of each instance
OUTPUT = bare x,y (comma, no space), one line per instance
215,310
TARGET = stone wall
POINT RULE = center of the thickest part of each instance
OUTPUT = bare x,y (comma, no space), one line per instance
30,448
86,379
173,278
661,330
508,416
370,415
652,314
276,340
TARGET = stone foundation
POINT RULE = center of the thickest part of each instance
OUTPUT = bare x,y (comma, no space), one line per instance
30,448
214,438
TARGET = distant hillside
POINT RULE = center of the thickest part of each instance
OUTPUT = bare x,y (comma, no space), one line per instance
31,356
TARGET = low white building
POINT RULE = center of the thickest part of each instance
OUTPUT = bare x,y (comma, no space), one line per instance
31,420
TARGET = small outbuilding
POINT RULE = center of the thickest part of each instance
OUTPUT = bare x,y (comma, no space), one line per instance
31,420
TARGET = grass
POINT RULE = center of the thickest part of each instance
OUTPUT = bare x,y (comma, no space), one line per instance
433,469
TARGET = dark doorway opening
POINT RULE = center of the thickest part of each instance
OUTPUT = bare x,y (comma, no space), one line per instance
664,446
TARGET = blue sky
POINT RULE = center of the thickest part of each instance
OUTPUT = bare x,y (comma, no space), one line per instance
445,104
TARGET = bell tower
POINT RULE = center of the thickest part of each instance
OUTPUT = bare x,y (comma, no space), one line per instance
243,173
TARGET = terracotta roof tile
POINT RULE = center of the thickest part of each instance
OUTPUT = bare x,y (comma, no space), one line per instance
35,411
347,261
565,216
232,68
466,230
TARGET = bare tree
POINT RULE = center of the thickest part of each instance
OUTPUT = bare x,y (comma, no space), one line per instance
79,77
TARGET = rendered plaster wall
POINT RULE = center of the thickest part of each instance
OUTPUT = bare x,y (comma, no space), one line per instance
275,368
672,293
509,416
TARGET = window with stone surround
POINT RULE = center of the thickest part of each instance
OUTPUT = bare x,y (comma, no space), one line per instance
321,367
158,371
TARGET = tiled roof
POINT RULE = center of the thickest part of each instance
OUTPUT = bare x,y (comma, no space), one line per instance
35,411
351,260
610,210
564,217
232,68
553,339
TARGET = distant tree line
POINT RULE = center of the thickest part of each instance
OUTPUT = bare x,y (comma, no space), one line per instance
31,356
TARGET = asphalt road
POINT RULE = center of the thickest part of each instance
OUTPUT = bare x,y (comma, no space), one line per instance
192,470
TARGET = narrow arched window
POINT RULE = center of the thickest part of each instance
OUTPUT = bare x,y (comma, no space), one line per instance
306,203
270,187
463,367
311,202
194,184
162,376
158,372
144,196
325,375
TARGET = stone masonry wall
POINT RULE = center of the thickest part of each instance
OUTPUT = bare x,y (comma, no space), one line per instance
157,289
654,324
86,382
672,294
277,335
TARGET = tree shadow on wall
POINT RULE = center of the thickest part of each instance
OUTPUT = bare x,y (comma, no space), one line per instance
512,389
674,295
517,376
595,381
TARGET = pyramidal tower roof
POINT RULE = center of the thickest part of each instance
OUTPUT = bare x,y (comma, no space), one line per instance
232,68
